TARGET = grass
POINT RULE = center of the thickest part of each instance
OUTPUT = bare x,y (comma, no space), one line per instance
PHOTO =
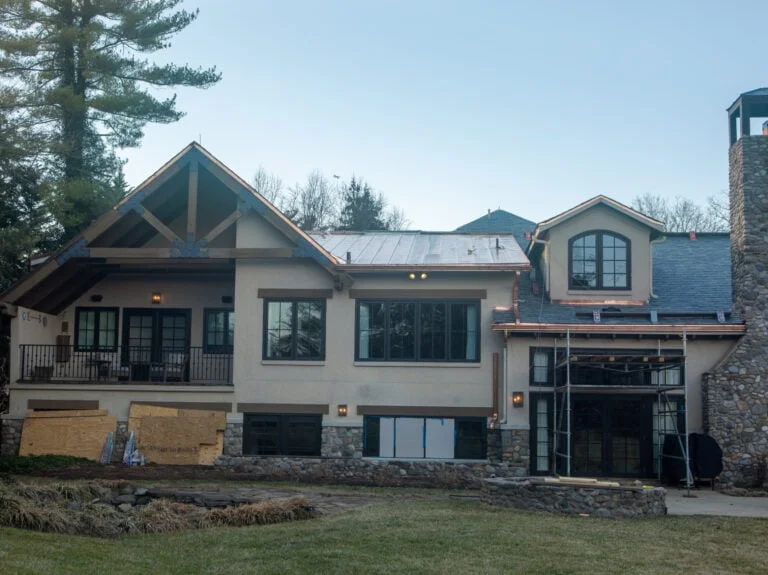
424,536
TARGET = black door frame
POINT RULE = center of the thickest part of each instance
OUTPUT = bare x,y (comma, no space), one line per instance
608,403
157,315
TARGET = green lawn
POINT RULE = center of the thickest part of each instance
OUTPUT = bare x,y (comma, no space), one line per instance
412,536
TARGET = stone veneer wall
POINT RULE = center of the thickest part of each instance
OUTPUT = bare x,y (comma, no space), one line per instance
342,442
342,461
510,446
10,436
534,494
736,393
364,471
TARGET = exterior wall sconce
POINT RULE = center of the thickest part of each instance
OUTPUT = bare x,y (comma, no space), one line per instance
518,399
411,276
157,298
342,410
423,275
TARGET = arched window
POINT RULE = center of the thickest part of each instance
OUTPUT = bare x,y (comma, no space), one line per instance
599,260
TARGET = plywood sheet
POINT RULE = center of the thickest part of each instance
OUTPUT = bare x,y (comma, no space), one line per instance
76,433
170,435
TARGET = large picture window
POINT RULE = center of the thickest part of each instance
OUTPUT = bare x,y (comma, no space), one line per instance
600,261
294,329
418,331
96,329
219,331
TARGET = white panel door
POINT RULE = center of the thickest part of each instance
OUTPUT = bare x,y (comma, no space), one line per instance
387,437
440,438
409,437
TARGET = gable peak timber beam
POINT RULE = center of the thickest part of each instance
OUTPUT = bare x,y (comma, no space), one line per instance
192,201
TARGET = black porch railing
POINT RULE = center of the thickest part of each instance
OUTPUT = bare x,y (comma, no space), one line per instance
64,363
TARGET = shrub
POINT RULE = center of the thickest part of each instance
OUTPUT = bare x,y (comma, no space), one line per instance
262,513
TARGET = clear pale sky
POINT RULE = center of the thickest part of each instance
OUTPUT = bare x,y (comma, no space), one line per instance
454,108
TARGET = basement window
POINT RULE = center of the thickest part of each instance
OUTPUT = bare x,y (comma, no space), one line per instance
425,437
282,434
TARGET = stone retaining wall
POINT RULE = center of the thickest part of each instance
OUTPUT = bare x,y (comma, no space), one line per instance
10,436
363,471
533,494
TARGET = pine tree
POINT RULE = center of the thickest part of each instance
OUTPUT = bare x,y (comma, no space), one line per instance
75,76
362,209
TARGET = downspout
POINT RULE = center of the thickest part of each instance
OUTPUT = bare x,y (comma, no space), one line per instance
545,243
515,299
503,404
650,259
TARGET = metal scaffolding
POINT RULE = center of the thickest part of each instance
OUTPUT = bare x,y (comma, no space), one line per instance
671,417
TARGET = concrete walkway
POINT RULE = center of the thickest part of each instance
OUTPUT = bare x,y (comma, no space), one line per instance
709,502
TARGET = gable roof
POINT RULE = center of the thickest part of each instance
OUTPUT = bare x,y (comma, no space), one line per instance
425,250
500,222
691,283
191,155
641,218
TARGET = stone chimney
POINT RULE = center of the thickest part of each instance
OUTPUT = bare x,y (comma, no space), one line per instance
736,392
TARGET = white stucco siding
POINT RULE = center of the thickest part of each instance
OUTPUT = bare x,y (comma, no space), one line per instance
339,379
598,218
702,356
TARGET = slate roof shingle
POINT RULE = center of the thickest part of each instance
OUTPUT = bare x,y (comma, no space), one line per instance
501,222
689,277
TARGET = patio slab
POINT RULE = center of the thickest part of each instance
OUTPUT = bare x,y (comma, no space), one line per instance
708,502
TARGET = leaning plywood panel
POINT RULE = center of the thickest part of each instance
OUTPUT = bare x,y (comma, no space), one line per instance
61,433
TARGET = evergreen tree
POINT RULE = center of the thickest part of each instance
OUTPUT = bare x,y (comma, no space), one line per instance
362,209
75,75
25,225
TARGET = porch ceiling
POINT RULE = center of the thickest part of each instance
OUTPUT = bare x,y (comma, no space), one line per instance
71,280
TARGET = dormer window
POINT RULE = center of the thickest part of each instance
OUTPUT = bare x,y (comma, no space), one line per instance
599,261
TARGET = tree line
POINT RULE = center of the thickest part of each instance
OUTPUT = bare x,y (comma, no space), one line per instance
77,84
320,204
684,215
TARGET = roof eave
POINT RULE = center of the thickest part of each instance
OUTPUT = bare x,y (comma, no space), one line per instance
435,268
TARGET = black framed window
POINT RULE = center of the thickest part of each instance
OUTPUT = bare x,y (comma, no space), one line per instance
282,434
599,260
294,329
96,329
542,430
418,331
541,366
218,330
471,438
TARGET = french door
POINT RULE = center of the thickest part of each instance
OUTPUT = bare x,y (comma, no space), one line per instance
150,336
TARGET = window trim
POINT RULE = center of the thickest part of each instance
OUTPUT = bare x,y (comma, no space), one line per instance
226,349
599,261
550,366
96,345
294,329
417,330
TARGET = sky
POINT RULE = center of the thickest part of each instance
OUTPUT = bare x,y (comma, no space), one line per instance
454,108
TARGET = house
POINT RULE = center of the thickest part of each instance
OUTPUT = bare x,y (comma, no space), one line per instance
586,344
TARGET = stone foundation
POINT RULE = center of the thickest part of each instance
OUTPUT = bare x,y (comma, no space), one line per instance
364,471
510,446
233,439
533,494
10,436
342,442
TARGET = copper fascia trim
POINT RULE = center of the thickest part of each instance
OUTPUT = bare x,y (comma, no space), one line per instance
597,328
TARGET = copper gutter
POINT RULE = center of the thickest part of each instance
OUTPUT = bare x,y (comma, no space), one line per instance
610,329
434,268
